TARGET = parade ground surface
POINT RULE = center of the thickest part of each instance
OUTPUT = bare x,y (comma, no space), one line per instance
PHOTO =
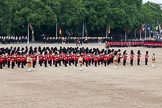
94,87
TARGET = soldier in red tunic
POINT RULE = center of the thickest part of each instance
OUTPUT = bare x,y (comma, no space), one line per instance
124,58
45,58
13,60
40,56
119,55
105,59
86,58
70,58
138,57
65,60
50,58
1,60
56,59
34,59
131,57
146,58
18,59
76,57
23,60
60,57
102,57
8,59
96,60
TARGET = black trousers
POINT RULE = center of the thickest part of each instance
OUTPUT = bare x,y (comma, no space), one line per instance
12,65
59,62
34,64
4,63
65,63
22,64
76,62
124,62
98,62
95,64
70,62
56,63
146,61
8,64
138,62
86,63
118,60
105,63
131,62
45,63
18,64
40,62
50,62
1,65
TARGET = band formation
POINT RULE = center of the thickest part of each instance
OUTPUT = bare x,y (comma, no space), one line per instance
52,56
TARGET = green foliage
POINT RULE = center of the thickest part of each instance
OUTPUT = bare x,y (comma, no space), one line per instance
70,15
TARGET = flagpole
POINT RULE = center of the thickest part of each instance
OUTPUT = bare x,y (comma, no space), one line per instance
145,33
56,29
83,30
135,34
154,26
28,32
106,31
140,34
125,36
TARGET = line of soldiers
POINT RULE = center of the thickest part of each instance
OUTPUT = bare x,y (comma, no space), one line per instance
13,39
65,56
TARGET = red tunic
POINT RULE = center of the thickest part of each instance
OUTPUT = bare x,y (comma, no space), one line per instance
9,58
124,57
50,57
105,58
66,58
146,57
13,59
56,58
34,58
131,57
40,57
45,58
76,58
18,58
96,59
1,59
138,56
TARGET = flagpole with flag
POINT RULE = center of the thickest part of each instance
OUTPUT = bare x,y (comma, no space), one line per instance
60,32
28,33
145,32
160,28
31,27
107,30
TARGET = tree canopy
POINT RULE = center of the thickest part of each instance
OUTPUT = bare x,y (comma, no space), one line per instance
70,15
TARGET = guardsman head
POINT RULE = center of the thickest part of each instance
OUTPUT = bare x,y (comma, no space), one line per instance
115,53
132,52
138,52
146,52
